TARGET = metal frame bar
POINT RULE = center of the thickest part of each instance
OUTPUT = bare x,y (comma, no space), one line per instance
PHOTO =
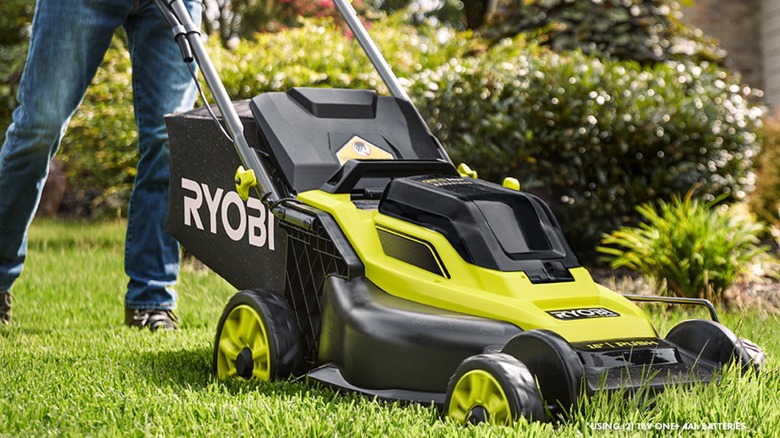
187,35
265,187
380,63
676,300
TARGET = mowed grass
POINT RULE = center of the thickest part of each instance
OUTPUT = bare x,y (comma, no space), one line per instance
69,367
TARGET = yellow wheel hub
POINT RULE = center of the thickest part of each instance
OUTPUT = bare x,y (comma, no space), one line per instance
478,395
243,345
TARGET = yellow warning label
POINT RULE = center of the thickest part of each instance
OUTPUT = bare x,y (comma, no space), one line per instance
359,149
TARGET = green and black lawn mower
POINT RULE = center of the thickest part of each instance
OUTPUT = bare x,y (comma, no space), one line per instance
367,261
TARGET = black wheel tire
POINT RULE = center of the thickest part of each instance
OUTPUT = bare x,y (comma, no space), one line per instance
494,388
257,336
553,362
713,342
755,355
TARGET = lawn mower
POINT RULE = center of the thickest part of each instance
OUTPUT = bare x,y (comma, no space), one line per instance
367,261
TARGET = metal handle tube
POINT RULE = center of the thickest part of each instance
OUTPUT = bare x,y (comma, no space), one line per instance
676,300
265,187
380,63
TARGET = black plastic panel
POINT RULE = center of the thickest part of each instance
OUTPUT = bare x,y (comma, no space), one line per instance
652,367
305,128
242,243
379,341
323,103
489,225
314,252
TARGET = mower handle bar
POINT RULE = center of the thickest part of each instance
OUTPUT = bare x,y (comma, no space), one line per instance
380,63
187,35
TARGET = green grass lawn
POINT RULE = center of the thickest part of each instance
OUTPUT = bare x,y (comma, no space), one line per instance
69,367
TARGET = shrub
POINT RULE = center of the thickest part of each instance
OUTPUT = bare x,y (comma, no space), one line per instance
765,201
648,31
12,59
697,248
100,150
319,54
246,18
14,28
15,21
593,137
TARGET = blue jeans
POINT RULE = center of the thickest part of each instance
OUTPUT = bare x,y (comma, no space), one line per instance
69,40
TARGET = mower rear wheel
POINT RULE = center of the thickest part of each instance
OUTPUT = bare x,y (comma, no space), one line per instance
494,388
714,342
257,337
755,355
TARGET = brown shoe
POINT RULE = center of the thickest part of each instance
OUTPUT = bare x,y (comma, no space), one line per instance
5,307
154,319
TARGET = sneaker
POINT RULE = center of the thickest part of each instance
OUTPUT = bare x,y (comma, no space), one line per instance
5,307
154,319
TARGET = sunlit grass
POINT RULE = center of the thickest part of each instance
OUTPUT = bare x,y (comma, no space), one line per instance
69,367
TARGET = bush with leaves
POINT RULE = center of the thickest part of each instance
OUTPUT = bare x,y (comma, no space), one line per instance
99,151
319,54
765,201
697,248
647,31
248,18
14,29
594,137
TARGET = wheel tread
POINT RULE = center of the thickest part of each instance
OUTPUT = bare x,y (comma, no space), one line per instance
281,326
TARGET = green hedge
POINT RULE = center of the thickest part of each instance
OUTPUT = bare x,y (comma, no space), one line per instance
321,55
765,201
14,28
595,138
100,149
647,31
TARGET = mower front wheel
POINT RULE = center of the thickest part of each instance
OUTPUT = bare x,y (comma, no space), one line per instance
257,337
494,388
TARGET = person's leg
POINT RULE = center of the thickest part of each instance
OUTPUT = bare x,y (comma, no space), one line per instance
68,42
161,85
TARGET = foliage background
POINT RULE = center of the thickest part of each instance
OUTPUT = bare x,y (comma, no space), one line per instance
647,31
765,201
593,134
15,19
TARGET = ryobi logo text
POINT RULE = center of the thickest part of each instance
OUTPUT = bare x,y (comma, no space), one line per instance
594,312
251,220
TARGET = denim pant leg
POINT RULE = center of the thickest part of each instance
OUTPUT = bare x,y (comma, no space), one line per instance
161,85
69,39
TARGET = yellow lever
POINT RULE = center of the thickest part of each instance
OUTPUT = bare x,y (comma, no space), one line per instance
465,170
245,180
511,183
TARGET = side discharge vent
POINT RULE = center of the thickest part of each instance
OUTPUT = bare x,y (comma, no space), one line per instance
411,250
